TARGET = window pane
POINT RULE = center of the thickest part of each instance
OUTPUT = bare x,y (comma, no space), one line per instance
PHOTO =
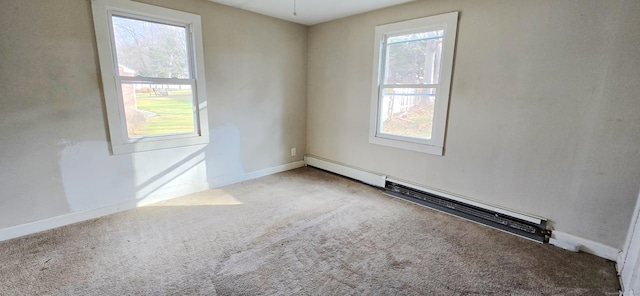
414,58
150,49
158,109
407,112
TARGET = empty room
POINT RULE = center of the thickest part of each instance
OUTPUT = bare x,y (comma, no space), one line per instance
319,147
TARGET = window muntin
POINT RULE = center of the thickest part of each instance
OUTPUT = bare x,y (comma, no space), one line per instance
152,67
411,87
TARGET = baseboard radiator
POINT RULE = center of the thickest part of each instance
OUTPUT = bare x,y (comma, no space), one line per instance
534,230
523,225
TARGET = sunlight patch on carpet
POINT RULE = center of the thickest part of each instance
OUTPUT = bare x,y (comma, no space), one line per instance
213,197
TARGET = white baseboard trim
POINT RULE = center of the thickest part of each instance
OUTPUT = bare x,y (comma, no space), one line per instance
62,220
347,171
586,245
228,180
170,193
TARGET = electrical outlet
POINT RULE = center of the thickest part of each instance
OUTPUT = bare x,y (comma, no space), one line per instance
293,151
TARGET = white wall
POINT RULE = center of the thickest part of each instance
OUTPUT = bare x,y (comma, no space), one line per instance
54,153
544,114
628,263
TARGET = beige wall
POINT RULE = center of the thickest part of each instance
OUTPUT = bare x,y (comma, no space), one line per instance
54,154
544,113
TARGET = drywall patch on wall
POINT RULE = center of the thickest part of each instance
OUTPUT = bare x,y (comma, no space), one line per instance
224,154
93,178
224,161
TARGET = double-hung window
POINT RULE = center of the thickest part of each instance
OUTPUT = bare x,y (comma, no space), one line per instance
410,94
152,66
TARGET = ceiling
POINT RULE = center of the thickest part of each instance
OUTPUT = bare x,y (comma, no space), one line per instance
310,12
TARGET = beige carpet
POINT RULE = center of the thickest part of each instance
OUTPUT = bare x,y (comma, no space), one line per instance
302,232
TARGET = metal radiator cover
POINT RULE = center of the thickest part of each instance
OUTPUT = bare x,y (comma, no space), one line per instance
526,229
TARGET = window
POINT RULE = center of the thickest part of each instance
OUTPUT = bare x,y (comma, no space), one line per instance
152,67
410,94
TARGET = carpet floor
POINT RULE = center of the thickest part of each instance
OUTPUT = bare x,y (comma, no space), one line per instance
301,232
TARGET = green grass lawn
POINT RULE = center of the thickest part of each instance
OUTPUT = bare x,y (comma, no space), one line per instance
174,113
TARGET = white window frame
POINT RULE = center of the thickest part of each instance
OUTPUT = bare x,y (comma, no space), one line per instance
103,10
447,22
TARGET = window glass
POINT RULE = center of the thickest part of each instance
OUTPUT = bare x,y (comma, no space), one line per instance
408,112
413,58
151,49
410,91
158,109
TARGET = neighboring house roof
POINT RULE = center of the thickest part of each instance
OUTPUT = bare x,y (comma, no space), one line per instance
124,69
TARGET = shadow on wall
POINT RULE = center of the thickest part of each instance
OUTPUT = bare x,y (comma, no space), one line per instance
94,178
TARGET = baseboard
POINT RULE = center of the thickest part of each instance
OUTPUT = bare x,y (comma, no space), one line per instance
587,245
347,171
165,194
228,180
62,220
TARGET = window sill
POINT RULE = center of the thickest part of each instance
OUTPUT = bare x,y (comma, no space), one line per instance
424,148
149,145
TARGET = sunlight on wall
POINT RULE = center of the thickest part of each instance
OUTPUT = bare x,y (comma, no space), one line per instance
169,173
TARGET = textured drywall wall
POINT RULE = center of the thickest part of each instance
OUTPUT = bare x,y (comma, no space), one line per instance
544,112
54,152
